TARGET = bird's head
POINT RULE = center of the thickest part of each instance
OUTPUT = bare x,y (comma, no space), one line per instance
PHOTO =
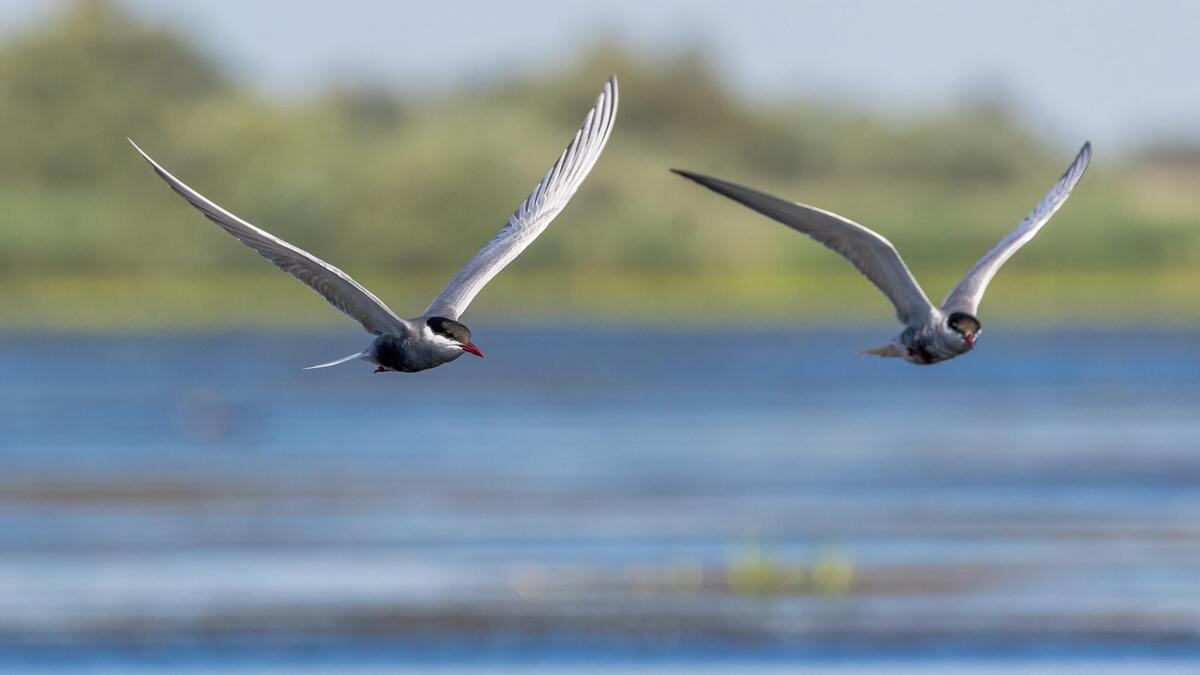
451,335
967,327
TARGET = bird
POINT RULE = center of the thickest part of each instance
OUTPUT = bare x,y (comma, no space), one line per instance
931,334
437,336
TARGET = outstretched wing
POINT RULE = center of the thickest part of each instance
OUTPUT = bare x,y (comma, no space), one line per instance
333,284
536,212
873,255
967,295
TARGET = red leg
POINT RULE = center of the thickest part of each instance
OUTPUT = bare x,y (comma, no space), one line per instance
381,369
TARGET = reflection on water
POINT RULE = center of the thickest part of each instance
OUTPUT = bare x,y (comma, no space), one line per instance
668,497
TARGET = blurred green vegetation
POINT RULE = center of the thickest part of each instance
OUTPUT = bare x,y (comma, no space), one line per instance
400,189
760,572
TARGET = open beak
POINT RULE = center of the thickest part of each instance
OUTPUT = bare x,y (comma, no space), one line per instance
470,348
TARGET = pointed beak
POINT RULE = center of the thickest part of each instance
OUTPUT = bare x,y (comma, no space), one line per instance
470,348
970,339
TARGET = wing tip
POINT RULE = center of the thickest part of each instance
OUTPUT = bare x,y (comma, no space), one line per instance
690,175
158,168
1085,153
138,148
608,93
612,92
715,184
1082,159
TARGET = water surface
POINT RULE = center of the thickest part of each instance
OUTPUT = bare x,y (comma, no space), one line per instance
642,499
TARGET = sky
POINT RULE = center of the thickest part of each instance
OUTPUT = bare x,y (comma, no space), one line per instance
1117,73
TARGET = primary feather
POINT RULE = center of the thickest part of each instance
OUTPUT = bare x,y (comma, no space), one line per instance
535,213
867,250
967,295
341,291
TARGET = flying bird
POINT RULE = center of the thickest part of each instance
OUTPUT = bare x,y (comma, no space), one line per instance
930,334
437,336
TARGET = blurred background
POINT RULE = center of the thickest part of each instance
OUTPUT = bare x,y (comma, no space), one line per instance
672,459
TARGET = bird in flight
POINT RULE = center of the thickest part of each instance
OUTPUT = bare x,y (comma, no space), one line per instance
437,336
930,334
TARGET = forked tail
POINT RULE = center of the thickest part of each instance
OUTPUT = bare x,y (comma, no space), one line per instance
889,350
339,361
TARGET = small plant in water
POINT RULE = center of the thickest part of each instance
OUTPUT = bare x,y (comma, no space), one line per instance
758,572
832,573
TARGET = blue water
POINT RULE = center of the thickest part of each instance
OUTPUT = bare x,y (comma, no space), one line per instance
586,496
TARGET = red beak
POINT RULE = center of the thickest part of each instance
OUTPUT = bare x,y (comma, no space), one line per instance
970,339
472,349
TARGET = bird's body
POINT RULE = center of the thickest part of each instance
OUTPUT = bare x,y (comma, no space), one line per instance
404,354
413,351
931,334
436,337
929,343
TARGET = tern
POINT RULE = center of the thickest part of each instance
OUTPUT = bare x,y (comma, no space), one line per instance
931,334
437,336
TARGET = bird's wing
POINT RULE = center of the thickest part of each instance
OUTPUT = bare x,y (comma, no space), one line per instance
967,295
872,254
538,209
333,284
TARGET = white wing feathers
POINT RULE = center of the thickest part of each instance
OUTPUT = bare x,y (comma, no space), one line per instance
967,295
333,284
873,255
536,212
878,259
